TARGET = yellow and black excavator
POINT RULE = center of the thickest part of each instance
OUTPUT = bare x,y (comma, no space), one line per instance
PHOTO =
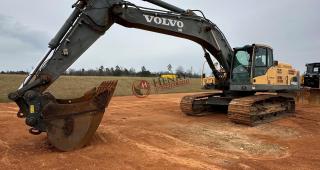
70,124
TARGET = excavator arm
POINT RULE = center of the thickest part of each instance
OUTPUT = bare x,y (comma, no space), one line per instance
71,123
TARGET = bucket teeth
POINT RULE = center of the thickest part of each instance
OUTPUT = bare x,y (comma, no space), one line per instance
104,93
72,123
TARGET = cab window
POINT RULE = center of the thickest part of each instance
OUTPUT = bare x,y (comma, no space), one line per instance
242,66
270,58
309,68
261,57
260,61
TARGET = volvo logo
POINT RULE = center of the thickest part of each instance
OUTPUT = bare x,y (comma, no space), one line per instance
164,21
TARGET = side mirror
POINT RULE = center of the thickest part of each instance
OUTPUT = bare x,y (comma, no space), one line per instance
203,76
275,63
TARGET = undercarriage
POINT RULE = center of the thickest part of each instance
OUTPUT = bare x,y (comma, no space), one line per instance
249,110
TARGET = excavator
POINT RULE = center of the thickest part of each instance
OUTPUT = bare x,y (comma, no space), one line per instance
70,124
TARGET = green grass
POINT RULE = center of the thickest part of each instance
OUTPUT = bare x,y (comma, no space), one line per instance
76,86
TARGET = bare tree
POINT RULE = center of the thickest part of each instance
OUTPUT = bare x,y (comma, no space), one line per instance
180,70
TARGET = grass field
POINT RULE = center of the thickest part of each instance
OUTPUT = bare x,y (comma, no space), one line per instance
75,86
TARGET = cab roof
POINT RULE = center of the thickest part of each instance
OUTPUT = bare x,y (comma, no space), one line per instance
250,46
313,64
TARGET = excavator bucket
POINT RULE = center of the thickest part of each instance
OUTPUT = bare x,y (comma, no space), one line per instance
72,123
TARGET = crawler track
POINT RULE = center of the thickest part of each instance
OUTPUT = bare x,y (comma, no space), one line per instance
258,109
250,110
194,105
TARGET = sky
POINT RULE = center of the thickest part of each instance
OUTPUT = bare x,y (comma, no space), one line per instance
291,27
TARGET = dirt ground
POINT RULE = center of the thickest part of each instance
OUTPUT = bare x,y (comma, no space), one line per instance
152,133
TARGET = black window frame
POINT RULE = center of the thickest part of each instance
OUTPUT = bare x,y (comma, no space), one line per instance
269,63
269,50
250,50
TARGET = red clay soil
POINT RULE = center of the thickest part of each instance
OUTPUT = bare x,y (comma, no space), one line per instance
152,133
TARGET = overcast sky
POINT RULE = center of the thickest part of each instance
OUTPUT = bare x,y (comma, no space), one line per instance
291,27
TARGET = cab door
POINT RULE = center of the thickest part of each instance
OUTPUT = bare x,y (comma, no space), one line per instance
263,60
241,71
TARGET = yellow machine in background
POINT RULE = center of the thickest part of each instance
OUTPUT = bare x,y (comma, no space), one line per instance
210,81
169,76
207,82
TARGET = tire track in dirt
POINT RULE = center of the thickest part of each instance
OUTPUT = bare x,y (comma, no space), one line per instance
173,155
12,108
233,139
6,111
4,148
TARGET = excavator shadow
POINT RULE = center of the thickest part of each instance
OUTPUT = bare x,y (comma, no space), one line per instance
214,111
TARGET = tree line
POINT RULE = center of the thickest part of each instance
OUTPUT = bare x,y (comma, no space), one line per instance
118,71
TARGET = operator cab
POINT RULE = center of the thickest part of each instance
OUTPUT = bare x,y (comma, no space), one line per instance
249,62
312,75
313,68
